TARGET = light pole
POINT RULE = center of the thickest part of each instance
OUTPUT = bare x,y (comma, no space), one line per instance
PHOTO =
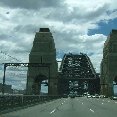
3,84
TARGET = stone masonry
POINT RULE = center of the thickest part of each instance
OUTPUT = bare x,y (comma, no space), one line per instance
42,52
109,64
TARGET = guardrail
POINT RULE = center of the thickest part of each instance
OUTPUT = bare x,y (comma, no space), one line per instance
13,101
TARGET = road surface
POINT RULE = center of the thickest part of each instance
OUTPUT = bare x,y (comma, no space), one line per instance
67,107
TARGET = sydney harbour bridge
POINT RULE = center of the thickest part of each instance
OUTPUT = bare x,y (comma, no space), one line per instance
43,66
76,73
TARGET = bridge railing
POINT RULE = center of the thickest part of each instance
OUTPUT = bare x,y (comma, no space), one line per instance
12,101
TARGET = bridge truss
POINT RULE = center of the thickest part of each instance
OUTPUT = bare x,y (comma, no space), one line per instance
23,65
78,67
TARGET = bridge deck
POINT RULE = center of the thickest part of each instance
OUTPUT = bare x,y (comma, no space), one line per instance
67,107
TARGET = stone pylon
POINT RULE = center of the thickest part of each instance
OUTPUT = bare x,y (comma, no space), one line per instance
109,64
43,52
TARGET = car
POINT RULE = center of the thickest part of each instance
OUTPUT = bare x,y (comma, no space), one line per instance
72,95
113,97
65,96
89,96
79,95
97,96
103,96
93,96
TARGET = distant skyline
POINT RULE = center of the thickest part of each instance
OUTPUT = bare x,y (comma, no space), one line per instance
77,26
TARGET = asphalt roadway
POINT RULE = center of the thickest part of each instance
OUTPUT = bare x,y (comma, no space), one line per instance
70,107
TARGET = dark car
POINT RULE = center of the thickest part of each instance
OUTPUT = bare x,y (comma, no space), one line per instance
72,95
65,96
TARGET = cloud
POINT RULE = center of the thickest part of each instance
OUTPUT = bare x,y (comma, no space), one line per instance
68,20
30,4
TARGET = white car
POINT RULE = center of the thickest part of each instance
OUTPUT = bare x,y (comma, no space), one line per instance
113,98
89,96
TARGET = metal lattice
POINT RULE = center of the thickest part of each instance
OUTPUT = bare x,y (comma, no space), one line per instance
77,66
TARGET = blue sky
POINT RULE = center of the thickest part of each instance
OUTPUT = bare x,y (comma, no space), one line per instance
104,28
77,26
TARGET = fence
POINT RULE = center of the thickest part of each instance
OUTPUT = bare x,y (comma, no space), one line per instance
14,101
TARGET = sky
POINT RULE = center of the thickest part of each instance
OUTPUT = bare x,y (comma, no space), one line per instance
77,26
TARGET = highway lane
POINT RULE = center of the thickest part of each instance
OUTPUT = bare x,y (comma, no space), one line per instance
67,107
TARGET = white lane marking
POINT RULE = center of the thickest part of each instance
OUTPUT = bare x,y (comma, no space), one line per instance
108,101
115,102
92,110
102,103
52,111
